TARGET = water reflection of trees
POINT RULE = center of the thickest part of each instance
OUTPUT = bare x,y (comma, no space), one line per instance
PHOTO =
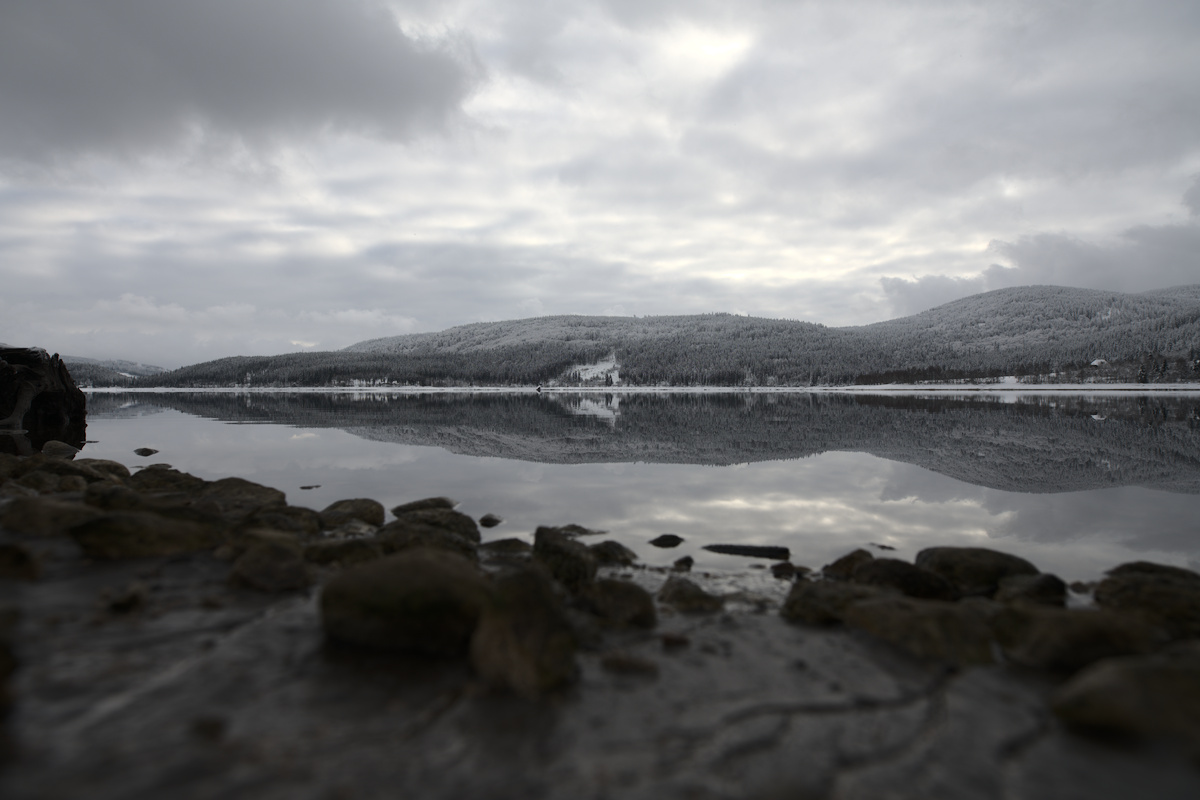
1033,443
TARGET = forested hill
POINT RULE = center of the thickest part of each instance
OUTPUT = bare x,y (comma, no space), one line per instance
1152,337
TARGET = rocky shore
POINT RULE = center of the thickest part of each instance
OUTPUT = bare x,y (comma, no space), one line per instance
165,635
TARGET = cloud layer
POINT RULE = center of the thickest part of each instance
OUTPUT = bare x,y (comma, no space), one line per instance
342,170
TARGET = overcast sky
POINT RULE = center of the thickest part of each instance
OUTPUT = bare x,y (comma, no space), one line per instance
188,180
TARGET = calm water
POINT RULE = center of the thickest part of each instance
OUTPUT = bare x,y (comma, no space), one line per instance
1076,484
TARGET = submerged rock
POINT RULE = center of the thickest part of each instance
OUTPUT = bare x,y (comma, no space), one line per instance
570,563
524,641
343,511
422,601
903,577
974,571
842,568
686,596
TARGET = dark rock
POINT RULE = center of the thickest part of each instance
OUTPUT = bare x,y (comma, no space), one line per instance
446,519
490,520
1041,589
905,578
9,464
750,551
621,604
824,602
164,478
683,564
17,563
237,498
685,596
41,482
11,488
38,398
1153,696
612,552
1066,641
569,562
524,641
352,529
402,534
674,641
843,568
44,516
303,523
574,530
974,571
272,562
421,600
1168,597
623,663
427,504
129,599
141,534
507,547
57,449
341,512
667,540
955,632
145,452
787,571
104,467
343,552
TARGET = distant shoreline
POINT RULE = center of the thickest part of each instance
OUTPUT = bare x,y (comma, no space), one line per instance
881,389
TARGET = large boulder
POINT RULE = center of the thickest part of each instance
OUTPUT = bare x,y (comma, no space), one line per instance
1166,596
141,534
684,595
1066,641
824,602
905,578
973,570
420,601
38,400
953,632
568,561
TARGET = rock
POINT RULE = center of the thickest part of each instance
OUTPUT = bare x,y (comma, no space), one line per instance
507,547
786,570
524,641
13,489
569,562
1168,597
667,540
57,449
353,529
843,568
973,570
687,597
145,452
44,516
424,505
40,481
1067,641
1153,696
17,563
490,520
131,598
824,602
163,478
9,464
612,552
37,396
141,534
272,562
343,552
955,632
421,601
684,564
363,509
61,468
446,519
402,534
623,663
905,578
1041,589
303,523
621,604
236,498
105,468
750,551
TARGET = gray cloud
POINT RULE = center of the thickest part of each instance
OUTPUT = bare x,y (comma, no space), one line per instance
121,76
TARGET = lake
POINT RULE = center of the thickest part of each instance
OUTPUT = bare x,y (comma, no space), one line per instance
1075,483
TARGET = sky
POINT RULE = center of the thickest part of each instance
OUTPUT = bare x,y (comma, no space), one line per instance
190,180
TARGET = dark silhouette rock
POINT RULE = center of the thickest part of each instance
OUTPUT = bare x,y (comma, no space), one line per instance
905,578
571,563
683,564
974,571
842,568
612,552
1042,589
145,452
427,504
444,518
39,401
667,540
750,551
685,596
524,641
490,520
422,601
621,604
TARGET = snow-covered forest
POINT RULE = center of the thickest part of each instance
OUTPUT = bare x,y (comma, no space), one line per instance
1051,333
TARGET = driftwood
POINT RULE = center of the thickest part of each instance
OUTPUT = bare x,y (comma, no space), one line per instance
39,401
